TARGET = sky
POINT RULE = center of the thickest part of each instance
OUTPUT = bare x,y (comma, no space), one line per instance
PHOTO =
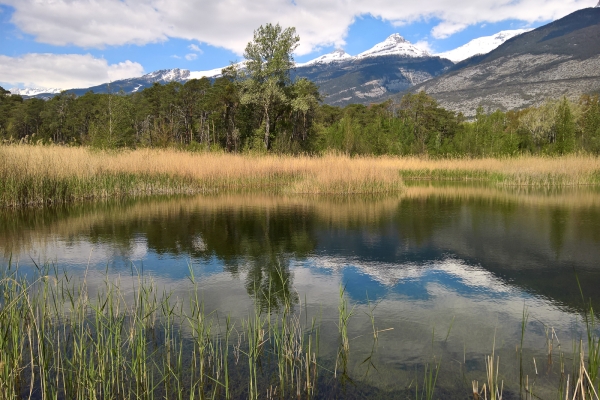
80,43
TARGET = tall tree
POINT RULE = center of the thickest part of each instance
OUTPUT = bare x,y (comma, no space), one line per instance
565,128
269,61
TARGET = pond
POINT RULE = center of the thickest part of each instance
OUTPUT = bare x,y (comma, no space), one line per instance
445,274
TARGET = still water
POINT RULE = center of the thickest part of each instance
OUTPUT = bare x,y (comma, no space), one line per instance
448,271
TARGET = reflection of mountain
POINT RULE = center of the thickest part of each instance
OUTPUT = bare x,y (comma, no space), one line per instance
532,240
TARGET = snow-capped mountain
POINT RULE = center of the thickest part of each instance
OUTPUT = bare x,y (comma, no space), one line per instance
205,74
394,45
166,75
34,91
213,73
333,57
482,45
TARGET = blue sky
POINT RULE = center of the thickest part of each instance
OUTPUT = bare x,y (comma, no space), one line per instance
78,43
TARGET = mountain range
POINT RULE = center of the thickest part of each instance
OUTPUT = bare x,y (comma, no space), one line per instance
555,60
508,70
389,67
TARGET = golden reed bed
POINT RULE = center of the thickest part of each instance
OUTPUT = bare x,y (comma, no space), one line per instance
41,174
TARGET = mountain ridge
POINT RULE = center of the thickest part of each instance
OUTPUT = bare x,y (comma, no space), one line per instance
559,59
481,45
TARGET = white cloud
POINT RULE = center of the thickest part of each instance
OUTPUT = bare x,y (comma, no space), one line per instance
63,71
194,47
446,29
230,23
425,45
191,56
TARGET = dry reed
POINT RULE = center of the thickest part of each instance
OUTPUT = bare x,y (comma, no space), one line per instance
35,175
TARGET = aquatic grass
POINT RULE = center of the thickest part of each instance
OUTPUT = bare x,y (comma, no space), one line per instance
527,171
430,376
586,378
73,346
126,339
492,385
524,320
345,313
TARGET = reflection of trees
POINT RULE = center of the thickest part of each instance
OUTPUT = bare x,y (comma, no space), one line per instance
558,229
418,219
534,246
269,281
259,242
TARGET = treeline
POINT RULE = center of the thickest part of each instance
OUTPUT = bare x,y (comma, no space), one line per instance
417,125
201,114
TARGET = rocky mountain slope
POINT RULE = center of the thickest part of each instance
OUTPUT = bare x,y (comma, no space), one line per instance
482,45
389,67
371,79
555,60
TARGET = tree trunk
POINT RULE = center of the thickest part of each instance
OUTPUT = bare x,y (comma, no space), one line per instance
267,126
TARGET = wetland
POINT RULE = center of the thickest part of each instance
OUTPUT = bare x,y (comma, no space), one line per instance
402,295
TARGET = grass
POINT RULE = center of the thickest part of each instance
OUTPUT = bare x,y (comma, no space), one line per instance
39,175
60,339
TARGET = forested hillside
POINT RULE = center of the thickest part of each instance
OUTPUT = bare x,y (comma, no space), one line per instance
200,115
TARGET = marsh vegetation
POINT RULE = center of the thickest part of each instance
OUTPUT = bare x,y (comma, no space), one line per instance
41,175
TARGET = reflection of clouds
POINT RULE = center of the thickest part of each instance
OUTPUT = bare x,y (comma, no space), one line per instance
475,277
467,311
198,243
420,325
82,253
470,276
139,249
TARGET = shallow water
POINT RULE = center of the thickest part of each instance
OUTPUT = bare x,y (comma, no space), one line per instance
448,268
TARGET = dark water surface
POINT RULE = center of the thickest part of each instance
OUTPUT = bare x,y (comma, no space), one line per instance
450,268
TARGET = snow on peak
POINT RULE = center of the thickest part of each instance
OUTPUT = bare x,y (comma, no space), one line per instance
167,75
214,73
333,57
394,45
480,45
34,91
598,5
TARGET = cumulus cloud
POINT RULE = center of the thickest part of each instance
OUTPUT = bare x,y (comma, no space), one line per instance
446,29
425,45
63,71
230,23
191,56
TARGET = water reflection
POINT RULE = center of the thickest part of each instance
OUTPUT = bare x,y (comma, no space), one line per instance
436,256
530,240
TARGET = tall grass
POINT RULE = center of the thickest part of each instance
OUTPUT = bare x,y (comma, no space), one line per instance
33,175
36,175
61,339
